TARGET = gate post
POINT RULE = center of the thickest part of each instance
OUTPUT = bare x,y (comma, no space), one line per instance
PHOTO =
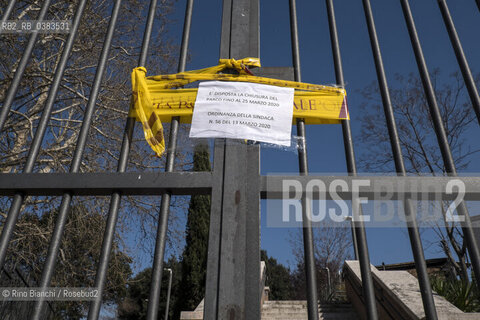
233,266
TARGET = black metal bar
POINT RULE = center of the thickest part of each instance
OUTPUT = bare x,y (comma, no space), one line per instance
252,270
156,282
308,246
101,184
337,62
354,238
214,233
102,62
157,270
185,36
12,90
39,134
441,135
425,188
49,266
478,4
462,60
359,228
8,11
168,292
414,234
190,183
108,236
107,241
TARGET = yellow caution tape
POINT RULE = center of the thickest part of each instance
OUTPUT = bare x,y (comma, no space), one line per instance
154,101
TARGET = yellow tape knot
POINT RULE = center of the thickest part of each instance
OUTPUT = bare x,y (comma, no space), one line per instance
240,65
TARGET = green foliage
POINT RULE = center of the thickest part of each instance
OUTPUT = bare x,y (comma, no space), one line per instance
77,259
463,295
194,258
134,306
278,279
201,158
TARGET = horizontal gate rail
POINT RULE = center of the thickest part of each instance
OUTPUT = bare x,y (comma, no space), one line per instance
102,184
401,187
192,183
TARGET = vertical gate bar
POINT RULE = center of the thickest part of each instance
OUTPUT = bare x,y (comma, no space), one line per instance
49,266
39,134
308,246
185,36
462,60
252,270
114,207
169,290
214,233
157,270
102,62
414,235
354,238
12,90
478,4
8,11
337,62
359,227
441,135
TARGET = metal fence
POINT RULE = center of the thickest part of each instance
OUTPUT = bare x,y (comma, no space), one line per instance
235,183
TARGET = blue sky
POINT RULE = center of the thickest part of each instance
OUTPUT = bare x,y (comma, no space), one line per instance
325,143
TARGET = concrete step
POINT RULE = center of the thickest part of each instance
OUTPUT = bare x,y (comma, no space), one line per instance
329,316
297,310
304,306
276,311
320,317
291,310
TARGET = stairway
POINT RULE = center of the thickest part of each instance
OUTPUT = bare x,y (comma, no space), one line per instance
287,310
297,310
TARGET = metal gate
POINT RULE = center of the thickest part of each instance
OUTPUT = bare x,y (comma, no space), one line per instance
235,183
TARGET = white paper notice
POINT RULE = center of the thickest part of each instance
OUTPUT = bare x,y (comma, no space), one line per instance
242,110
